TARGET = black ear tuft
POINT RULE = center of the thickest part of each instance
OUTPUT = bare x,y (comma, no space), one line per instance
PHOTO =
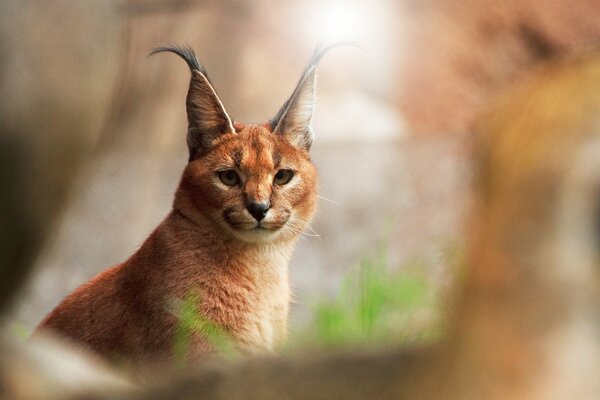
207,118
294,118
185,52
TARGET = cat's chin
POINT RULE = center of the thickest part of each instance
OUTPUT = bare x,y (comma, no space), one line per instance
256,235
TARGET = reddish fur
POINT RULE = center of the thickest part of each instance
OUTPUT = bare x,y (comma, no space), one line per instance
243,285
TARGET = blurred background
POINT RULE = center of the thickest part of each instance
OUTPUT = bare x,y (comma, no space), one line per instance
393,121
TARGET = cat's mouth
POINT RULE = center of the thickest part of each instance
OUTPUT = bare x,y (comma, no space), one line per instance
246,225
258,226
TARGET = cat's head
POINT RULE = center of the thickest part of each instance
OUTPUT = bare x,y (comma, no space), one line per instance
255,182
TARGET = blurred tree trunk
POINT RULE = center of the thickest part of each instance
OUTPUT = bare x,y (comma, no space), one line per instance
54,93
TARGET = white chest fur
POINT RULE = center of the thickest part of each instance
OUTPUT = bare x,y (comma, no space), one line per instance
268,323
250,298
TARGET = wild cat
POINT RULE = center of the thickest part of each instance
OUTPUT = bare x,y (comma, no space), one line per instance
245,196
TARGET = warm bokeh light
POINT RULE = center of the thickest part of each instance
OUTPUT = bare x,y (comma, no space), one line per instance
339,20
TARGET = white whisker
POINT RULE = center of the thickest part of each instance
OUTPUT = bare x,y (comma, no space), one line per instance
329,200
311,234
312,231
299,226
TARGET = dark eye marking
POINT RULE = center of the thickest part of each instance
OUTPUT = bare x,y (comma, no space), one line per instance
276,158
283,176
229,177
237,158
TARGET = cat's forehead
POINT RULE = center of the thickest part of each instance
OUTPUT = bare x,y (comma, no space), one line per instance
253,147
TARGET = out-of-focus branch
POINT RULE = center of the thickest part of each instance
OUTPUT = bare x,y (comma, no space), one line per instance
392,374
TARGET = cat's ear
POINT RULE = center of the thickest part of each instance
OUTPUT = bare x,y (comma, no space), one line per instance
293,120
207,118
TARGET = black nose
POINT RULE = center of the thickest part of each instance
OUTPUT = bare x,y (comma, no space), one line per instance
258,209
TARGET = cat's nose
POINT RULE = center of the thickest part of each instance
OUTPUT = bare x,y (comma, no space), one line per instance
258,209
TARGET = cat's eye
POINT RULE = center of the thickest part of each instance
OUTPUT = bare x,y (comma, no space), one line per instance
283,176
229,177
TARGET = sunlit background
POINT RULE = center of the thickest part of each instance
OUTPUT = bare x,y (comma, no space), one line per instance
392,123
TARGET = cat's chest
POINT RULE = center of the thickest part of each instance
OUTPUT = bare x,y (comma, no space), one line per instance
251,301
267,322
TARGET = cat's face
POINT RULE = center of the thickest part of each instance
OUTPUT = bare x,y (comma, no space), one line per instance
254,182
254,185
